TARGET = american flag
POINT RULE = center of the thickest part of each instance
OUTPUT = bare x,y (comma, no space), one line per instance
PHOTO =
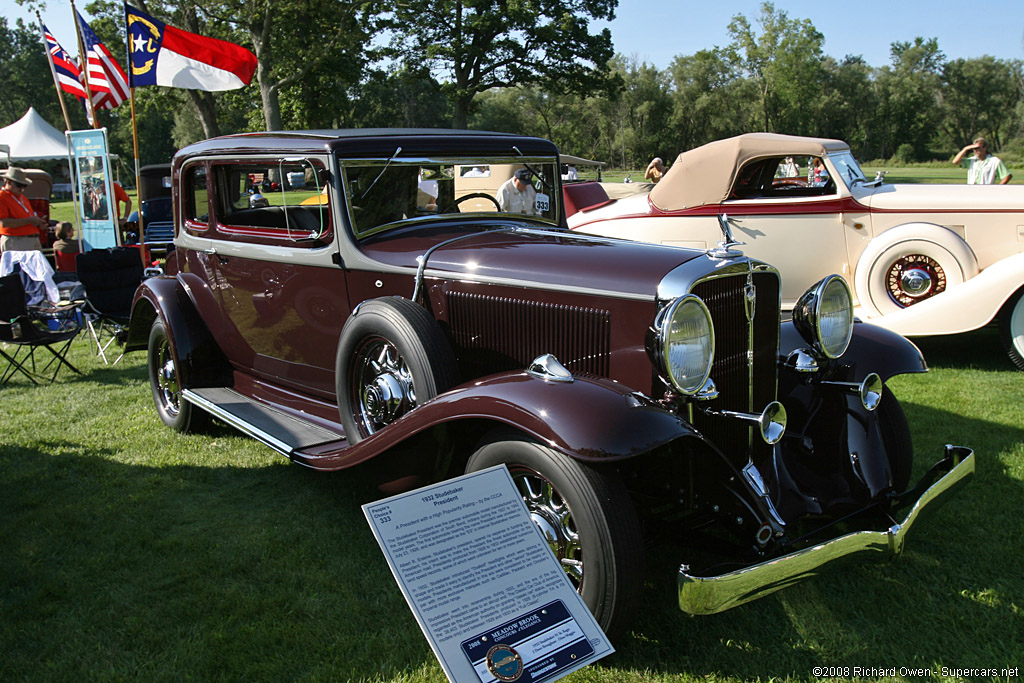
66,68
107,80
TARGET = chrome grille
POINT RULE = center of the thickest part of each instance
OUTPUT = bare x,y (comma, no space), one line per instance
744,368
495,334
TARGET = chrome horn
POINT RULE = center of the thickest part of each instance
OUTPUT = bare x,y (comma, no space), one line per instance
869,391
771,422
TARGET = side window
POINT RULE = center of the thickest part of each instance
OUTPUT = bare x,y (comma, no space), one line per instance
272,200
750,180
800,176
195,196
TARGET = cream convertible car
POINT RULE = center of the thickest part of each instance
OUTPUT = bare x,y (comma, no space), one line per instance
923,259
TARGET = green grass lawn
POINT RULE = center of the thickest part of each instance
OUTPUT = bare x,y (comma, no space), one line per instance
128,552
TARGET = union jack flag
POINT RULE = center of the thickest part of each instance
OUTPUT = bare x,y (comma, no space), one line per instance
107,80
65,66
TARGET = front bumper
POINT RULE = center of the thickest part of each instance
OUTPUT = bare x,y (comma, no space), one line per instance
712,594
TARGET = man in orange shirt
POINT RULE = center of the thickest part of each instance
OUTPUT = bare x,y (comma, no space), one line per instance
19,226
121,197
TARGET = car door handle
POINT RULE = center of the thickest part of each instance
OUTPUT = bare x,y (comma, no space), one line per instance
212,251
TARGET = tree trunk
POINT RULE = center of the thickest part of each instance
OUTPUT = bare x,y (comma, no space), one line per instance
205,105
460,119
206,109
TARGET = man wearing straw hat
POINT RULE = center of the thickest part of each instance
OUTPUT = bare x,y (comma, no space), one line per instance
19,226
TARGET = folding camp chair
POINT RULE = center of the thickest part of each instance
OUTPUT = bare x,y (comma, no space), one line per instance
110,278
22,330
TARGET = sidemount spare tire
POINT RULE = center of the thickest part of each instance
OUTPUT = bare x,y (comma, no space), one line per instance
392,357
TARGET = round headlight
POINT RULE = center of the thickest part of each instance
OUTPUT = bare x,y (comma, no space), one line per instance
824,316
687,343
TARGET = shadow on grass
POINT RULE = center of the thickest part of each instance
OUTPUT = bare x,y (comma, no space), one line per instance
978,349
116,571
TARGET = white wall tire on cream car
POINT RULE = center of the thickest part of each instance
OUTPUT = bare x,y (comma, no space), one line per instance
903,267
1011,328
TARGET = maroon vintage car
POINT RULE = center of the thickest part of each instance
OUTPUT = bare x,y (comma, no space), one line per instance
371,311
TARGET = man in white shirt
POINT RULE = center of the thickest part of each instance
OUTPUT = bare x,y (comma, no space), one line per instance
982,168
516,195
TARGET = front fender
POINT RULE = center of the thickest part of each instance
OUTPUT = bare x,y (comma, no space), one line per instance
200,360
588,419
872,349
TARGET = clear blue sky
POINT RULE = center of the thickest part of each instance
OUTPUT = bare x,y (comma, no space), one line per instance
655,31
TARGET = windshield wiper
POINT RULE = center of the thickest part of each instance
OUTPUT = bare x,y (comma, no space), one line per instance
390,159
532,170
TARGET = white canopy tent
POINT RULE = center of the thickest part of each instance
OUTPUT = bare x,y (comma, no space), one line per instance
31,137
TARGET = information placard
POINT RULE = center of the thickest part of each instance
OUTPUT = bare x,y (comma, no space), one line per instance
97,207
489,594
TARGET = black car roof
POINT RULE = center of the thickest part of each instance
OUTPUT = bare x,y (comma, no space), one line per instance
375,142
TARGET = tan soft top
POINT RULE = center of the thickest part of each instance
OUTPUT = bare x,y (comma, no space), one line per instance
705,175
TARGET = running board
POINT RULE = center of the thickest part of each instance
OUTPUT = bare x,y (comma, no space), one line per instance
277,429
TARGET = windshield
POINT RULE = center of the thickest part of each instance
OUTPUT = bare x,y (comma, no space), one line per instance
847,167
381,193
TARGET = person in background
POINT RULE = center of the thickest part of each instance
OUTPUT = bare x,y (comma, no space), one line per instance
817,174
121,197
516,195
655,170
19,226
787,169
982,168
66,242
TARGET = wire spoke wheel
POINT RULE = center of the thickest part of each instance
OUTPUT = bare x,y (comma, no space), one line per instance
382,385
552,515
584,514
392,357
165,380
914,278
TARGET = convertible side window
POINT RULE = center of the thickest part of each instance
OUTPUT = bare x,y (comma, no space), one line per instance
799,176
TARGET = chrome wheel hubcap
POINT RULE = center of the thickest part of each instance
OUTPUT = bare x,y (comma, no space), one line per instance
382,384
167,380
914,278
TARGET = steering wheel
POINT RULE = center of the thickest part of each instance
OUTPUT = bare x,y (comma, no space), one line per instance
472,195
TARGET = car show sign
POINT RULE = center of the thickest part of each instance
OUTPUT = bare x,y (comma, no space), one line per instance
97,208
490,596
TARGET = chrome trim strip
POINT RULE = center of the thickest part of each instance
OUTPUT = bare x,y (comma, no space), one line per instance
713,594
682,279
237,423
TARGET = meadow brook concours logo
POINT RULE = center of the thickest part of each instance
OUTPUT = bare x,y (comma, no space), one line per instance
504,663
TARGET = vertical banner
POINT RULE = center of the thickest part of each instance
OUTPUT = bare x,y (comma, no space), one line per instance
97,209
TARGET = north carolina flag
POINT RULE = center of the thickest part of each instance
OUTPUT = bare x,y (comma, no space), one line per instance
64,66
163,55
107,81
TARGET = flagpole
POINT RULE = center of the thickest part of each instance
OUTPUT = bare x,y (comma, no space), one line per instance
53,72
83,56
135,136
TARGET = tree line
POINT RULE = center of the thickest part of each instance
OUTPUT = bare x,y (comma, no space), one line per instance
535,68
